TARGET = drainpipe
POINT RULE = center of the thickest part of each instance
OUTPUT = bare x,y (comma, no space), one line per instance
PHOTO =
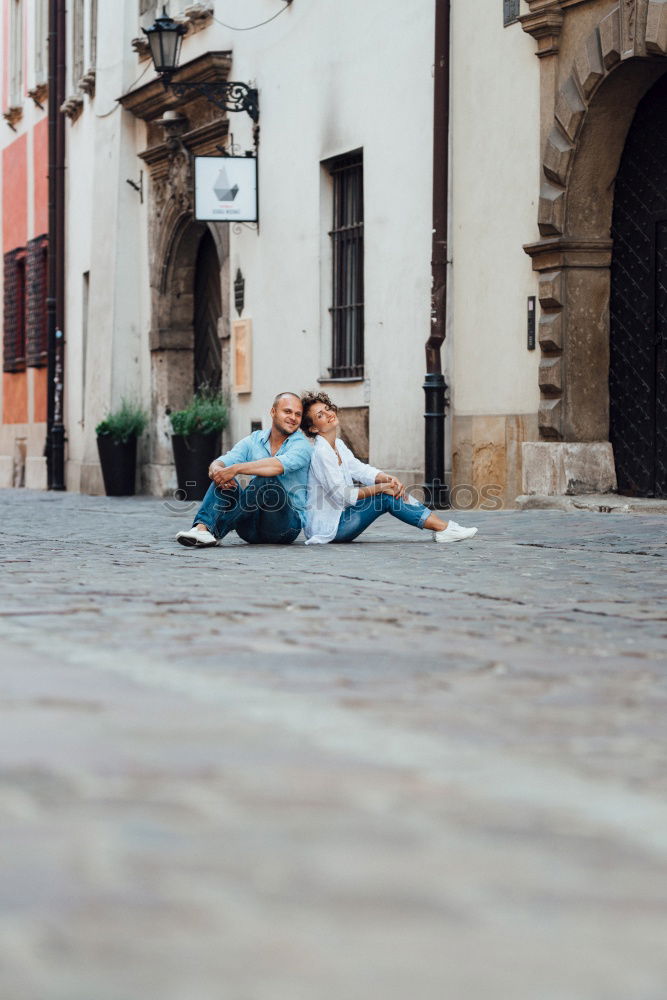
55,302
435,388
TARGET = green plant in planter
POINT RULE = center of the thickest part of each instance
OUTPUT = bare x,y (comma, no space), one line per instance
205,414
128,421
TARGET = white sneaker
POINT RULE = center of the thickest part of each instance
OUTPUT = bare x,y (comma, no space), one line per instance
453,533
196,537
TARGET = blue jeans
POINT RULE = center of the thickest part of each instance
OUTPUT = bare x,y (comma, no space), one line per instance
357,518
260,514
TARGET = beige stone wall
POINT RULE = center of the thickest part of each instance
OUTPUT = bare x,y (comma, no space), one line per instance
598,59
486,458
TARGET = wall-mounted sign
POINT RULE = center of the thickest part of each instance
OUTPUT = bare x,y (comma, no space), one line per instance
226,188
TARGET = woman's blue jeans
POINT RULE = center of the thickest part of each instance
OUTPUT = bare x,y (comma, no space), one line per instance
260,514
357,518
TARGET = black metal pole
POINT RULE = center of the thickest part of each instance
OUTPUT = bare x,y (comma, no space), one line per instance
55,303
435,387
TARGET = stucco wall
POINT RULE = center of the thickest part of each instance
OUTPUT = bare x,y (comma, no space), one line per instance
495,144
495,171
332,78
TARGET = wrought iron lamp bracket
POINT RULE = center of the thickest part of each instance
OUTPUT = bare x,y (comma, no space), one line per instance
227,96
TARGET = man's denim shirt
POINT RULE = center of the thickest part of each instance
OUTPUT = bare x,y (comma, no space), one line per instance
294,453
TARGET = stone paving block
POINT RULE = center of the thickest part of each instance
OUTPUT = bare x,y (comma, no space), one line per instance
386,769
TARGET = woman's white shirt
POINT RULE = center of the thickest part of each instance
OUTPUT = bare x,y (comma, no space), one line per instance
331,488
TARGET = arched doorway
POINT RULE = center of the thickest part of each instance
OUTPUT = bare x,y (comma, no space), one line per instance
207,312
190,332
638,303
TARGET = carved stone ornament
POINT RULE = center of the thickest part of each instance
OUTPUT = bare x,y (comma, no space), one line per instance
72,107
87,83
544,23
198,15
633,27
39,93
172,188
142,48
12,116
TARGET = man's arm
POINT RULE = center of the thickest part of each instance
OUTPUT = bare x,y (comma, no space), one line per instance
223,475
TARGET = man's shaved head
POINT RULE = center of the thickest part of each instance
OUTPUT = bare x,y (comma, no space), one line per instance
286,413
282,394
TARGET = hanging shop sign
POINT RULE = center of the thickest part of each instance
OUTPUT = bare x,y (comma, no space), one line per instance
226,189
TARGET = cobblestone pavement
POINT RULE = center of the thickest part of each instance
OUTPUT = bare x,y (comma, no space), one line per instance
389,771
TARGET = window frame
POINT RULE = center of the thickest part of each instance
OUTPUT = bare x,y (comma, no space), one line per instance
78,42
16,42
14,309
36,291
41,42
347,292
511,12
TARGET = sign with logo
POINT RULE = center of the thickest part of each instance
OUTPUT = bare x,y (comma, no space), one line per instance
226,189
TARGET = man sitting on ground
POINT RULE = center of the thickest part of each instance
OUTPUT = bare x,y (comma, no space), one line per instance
271,509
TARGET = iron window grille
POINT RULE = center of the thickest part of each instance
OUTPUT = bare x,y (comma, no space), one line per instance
14,311
36,290
510,12
347,244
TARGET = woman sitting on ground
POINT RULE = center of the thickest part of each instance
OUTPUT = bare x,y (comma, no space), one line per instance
337,510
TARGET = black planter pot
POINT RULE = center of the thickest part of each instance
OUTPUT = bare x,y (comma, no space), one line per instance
193,453
119,465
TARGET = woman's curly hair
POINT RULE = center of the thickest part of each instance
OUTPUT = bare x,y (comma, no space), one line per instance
309,399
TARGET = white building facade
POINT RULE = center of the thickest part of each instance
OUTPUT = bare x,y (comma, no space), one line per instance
334,114
332,286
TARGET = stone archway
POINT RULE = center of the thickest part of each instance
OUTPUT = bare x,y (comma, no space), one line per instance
611,69
175,241
178,127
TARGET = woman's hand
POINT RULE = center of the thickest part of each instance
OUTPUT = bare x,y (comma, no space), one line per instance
391,485
395,487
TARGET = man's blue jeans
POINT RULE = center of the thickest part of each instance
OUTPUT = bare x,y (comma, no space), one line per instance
260,514
357,518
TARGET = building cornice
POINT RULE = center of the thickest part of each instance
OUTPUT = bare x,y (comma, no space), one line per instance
153,99
566,252
204,140
544,23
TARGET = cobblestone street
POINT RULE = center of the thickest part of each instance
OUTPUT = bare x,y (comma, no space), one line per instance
391,771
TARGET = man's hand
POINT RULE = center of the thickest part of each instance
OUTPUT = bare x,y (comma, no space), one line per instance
222,475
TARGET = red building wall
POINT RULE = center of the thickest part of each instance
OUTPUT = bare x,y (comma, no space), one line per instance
15,234
40,153
15,194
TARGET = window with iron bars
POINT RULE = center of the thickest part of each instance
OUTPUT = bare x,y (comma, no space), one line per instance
13,358
36,276
347,246
511,10
25,318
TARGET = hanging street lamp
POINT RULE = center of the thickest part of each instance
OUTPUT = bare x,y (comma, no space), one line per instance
164,39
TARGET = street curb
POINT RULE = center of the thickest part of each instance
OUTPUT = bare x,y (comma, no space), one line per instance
598,503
